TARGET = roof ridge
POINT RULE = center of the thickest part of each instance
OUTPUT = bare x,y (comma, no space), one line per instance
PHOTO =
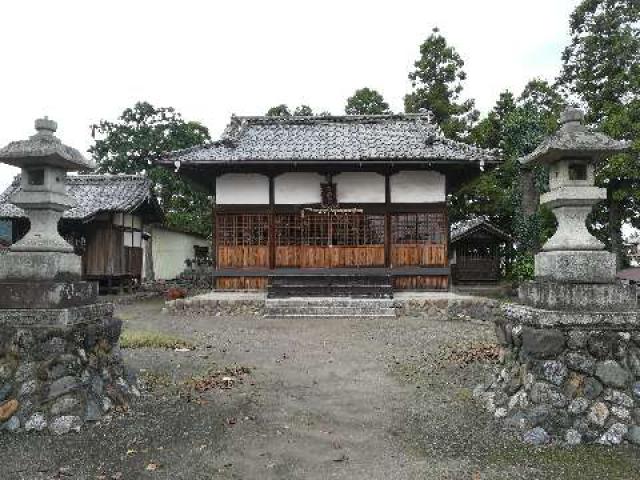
105,177
332,118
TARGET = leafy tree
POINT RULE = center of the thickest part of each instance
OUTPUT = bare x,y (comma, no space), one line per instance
601,67
437,85
366,101
303,111
142,134
279,111
509,194
489,132
283,110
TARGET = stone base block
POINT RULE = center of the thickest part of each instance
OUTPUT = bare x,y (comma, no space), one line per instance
576,266
526,315
40,266
47,318
579,296
21,295
57,378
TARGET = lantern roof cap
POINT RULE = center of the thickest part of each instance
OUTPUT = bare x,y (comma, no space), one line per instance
574,140
44,149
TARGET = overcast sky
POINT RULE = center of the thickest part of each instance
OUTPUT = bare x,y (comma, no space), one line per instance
82,61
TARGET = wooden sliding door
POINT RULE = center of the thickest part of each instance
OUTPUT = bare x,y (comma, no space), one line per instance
419,240
242,241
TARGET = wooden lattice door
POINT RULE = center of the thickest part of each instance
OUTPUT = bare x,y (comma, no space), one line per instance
329,240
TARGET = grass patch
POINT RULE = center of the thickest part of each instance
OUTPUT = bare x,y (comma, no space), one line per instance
584,462
144,339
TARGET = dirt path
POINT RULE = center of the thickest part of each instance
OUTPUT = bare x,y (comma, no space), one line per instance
332,398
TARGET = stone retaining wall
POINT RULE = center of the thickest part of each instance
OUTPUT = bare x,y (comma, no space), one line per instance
455,308
227,308
567,384
59,377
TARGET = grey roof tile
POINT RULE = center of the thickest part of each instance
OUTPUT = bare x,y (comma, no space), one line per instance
463,228
93,194
349,138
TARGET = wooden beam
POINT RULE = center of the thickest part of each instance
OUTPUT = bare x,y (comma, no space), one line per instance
387,220
272,223
214,226
372,208
361,271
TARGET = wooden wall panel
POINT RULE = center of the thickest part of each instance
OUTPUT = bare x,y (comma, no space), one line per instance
426,255
104,254
241,283
440,282
329,257
243,256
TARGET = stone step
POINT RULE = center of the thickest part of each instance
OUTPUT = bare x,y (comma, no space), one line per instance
330,301
350,315
361,285
329,307
354,291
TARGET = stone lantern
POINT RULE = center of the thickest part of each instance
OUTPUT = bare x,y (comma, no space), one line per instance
571,155
42,254
571,345
60,364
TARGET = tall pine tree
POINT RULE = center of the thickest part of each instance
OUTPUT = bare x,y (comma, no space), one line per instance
437,87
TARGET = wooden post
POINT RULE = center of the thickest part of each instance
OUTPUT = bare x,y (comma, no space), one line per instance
214,232
271,240
387,221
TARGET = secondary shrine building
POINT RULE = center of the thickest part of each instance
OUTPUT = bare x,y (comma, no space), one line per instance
344,194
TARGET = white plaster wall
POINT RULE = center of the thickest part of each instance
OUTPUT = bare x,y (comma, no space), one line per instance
297,188
359,187
242,188
170,250
423,186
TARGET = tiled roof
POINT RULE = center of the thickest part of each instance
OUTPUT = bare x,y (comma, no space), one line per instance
465,227
333,138
93,194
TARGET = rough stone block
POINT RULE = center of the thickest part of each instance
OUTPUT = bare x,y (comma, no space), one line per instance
576,266
611,373
542,343
53,318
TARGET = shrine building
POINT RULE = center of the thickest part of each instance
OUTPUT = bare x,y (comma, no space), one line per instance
331,197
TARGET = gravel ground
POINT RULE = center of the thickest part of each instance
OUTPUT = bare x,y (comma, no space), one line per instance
324,399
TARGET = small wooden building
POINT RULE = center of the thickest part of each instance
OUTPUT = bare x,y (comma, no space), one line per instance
478,251
105,227
331,196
